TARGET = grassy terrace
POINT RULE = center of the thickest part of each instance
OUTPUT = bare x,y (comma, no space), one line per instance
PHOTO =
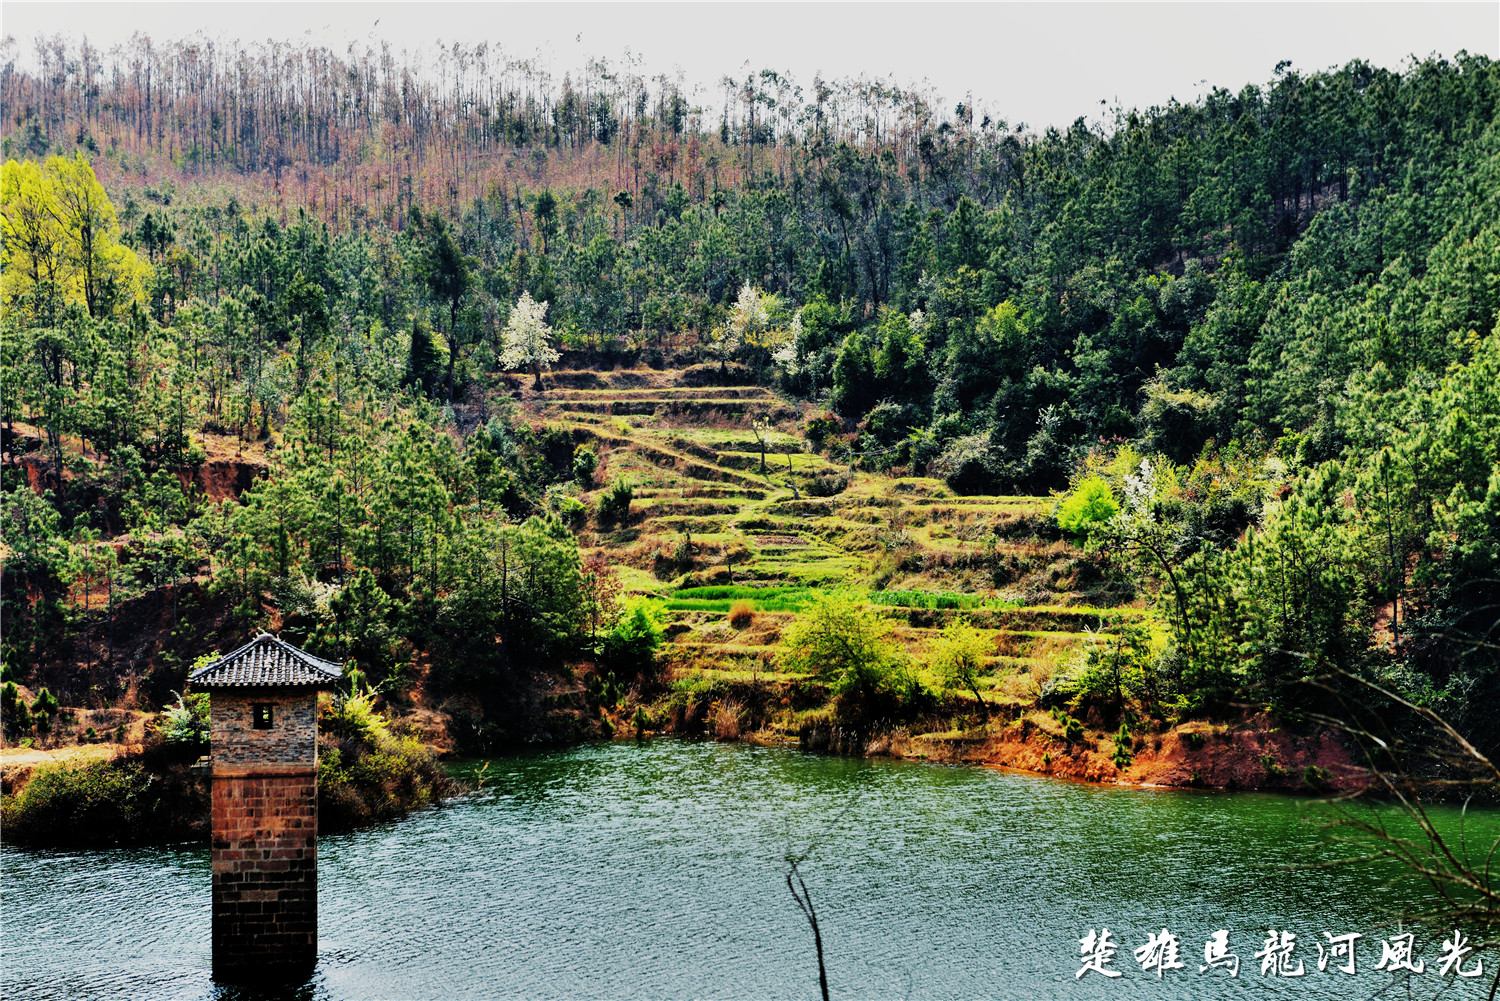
708,531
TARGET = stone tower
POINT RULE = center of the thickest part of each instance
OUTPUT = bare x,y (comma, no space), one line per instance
263,704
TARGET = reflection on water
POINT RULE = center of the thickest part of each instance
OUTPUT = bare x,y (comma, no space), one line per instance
656,871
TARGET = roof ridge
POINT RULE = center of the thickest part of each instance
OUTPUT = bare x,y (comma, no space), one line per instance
268,660
297,651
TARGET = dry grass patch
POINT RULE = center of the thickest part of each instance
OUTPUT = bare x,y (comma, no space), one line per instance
1025,683
726,719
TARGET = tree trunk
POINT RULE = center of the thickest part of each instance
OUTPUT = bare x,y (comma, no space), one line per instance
452,346
804,903
110,584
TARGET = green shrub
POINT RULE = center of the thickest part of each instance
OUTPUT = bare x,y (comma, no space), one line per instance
1058,691
958,658
573,512
838,637
352,716
187,722
1112,669
966,465
43,710
367,773
1317,779
98,796
843,639
827,485
820,427
380,778
1123,756
682,552
14,712
603,691
1092,503
585,461
629,647
106,802
614,503
1174,423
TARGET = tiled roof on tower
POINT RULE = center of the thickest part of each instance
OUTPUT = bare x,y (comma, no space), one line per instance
267,661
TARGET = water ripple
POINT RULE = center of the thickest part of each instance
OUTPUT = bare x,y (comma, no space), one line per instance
656,871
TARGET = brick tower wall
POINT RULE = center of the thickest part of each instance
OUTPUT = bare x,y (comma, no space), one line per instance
265,830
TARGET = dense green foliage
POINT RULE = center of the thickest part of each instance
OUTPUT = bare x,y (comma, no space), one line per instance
958,658
1264,323
149,797
365,771
629,648
1383,564
186,722
1089,504
843,640
1386,560
375,531
1174,278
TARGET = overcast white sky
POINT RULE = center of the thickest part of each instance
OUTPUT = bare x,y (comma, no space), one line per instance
1042,64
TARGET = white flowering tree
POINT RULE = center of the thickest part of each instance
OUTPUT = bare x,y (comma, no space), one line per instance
785,352
527,340
748,320
750,315
1140,534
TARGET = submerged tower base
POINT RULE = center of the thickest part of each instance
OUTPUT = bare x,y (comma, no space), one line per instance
265,872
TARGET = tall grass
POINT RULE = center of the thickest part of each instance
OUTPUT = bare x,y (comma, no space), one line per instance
722,597
714,592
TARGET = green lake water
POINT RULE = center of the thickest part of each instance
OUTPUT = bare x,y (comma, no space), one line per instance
656,871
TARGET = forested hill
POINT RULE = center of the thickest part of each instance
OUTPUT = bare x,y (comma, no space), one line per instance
1215,269
282,243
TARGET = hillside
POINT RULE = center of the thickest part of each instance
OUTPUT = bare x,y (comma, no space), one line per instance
947,433
734,555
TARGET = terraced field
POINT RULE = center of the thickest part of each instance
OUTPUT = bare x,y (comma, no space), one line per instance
723,514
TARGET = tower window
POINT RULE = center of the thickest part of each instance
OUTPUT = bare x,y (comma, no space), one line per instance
260,715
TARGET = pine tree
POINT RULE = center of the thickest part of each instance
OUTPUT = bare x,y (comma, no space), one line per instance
422,365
